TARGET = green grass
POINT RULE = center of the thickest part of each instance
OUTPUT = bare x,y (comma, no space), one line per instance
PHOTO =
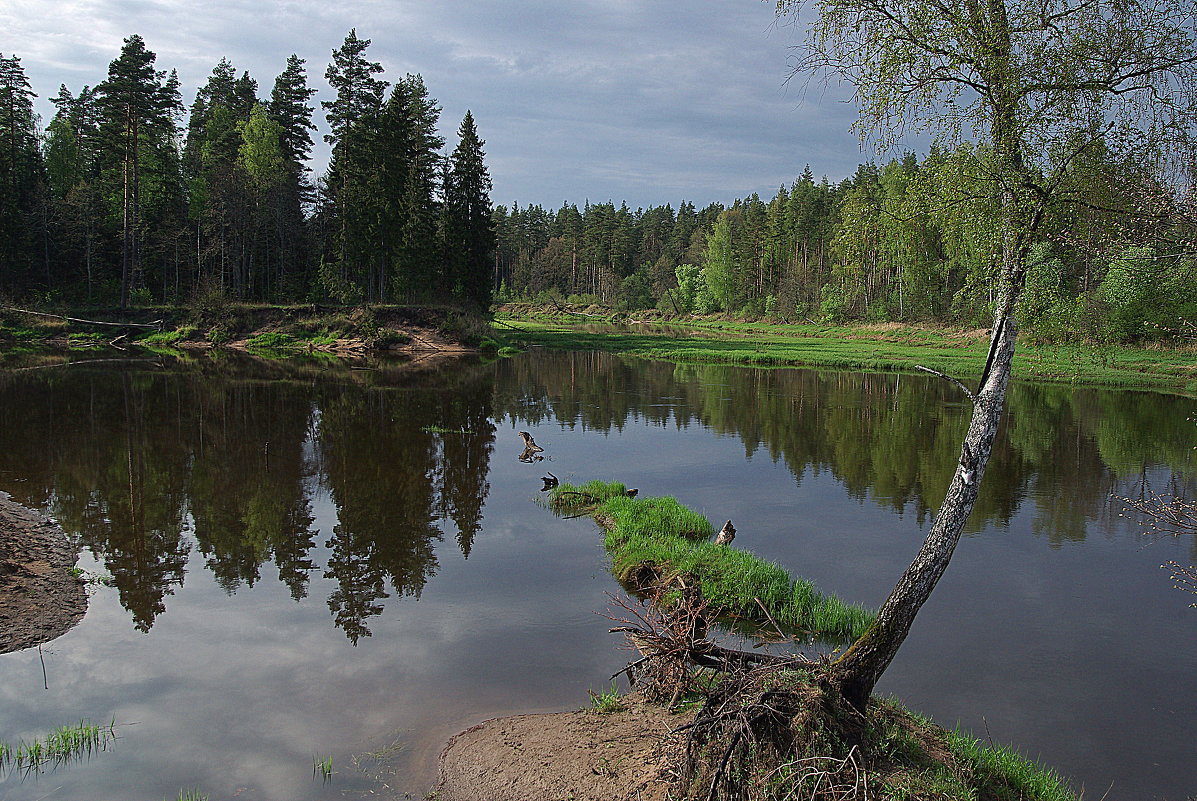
89,578
167,337
607,701
661,535
19,333
885,348
442,430
322,766
188,795
62,745
1003,773
272,340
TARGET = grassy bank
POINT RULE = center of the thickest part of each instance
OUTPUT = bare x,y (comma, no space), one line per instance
255,327
660,537
888,347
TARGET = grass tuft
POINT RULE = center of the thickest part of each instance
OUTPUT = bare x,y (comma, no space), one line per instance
62,745
606,702
188,795
322,766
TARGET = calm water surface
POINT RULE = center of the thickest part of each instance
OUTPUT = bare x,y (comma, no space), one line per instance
316,561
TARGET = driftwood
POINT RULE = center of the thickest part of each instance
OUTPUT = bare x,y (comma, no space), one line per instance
726,534
156,324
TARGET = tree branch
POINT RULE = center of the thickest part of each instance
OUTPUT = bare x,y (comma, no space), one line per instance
948,378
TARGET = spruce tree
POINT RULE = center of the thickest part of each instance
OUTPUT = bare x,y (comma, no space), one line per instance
469,236
350,264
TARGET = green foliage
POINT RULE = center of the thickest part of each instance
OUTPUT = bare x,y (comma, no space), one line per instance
720,264
1146,295
835,304
260,153
271,340
1047,308
333,283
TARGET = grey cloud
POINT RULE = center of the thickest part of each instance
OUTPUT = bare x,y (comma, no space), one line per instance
648,102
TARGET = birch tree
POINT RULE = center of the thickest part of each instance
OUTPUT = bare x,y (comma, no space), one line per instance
1039,83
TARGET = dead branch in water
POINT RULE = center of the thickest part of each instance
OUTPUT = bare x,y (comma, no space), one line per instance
156,324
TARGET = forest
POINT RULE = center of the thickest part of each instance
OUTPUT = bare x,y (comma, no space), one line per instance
884,245
117,201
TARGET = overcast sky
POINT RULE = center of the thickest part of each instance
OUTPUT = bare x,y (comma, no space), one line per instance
644,101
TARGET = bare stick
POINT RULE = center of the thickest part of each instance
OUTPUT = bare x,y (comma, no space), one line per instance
780,633
963,388
157,324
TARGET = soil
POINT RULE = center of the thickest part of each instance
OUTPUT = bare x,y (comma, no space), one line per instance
581,756
39,597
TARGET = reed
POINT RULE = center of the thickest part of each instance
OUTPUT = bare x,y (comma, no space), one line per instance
189,795
65,744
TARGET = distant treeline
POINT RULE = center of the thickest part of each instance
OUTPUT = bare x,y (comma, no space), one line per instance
907,241
116,201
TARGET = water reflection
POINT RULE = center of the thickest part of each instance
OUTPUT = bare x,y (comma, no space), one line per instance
134,460
364,489
890,439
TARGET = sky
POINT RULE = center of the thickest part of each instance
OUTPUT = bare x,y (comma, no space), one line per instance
640,101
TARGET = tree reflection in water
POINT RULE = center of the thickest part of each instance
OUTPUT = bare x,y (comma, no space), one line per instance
139,463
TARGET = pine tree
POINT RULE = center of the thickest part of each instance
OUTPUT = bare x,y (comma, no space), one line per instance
20,176
469,236
412,156
227,206
289,107
137,108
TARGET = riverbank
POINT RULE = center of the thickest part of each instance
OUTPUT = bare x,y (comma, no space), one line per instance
886,347
348,331
587,755
41,598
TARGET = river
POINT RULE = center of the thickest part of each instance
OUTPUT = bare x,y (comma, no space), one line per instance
313,561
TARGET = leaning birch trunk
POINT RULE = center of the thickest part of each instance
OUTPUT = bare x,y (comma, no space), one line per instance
858,669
